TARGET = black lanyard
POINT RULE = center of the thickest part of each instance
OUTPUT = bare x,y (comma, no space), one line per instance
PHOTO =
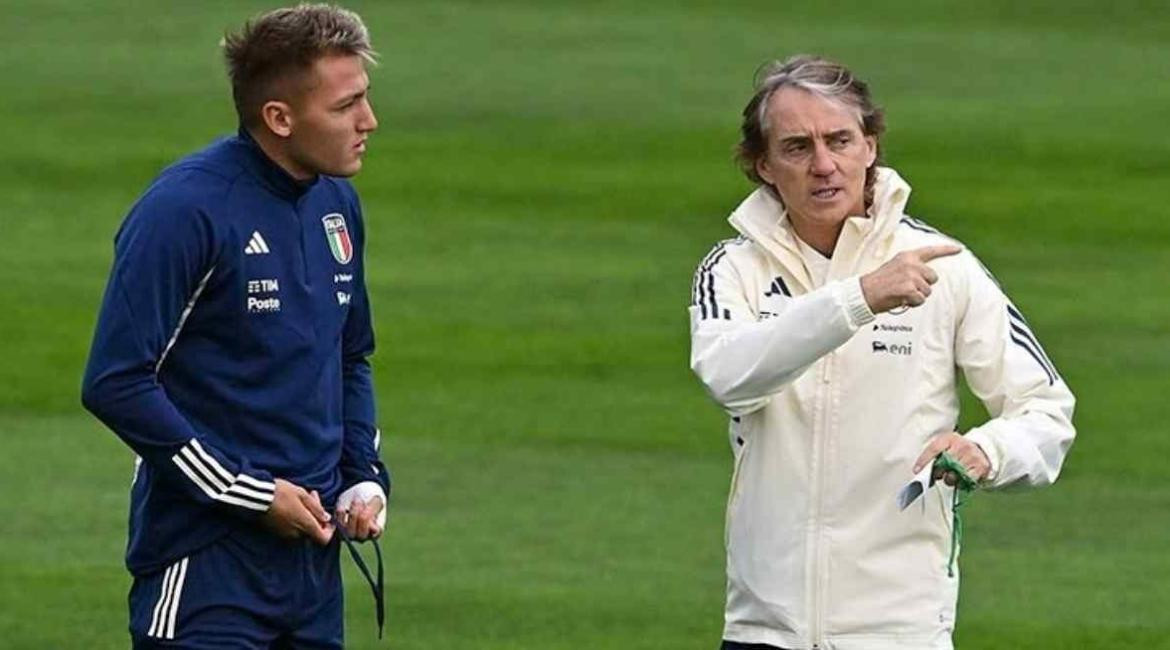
377,587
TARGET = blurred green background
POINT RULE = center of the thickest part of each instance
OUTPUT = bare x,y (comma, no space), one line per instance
545,179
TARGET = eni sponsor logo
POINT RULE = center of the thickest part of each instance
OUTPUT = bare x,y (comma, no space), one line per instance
901,349
339,278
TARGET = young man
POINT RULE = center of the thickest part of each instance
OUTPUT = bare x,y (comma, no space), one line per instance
231,354
830,331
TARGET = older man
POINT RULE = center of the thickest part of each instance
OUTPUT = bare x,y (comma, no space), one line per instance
830,331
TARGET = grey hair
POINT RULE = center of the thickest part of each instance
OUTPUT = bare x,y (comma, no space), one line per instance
819,76
283,43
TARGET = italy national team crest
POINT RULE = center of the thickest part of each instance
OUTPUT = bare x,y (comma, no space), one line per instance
338,237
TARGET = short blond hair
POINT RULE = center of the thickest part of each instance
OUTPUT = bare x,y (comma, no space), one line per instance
281,44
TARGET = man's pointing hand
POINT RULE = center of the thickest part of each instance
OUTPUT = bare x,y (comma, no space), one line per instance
905,280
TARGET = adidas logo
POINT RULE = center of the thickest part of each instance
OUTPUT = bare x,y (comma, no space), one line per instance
256,245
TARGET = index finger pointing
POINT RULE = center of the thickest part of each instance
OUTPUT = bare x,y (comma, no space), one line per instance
927,253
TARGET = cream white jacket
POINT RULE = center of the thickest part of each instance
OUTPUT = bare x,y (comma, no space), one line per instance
830,407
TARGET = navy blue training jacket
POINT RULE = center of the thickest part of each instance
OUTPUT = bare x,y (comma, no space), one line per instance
232,347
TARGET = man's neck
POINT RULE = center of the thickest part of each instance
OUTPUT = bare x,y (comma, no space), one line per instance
822,237
273,148
822,240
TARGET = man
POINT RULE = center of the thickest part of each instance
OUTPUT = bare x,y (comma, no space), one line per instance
830,331
231,354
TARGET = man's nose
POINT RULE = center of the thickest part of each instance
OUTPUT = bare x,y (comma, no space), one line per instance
822,161
368,121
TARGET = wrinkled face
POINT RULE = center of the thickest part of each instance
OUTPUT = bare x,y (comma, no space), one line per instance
331,119
816,159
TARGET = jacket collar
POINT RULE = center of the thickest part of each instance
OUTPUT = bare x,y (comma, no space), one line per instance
270,174
764,219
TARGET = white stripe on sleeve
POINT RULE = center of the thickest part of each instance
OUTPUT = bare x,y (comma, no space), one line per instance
210,461
206,472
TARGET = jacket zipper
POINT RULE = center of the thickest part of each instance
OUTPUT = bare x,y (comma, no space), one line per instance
815,538
816,563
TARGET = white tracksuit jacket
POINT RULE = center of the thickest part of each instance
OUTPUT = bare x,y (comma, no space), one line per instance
831,406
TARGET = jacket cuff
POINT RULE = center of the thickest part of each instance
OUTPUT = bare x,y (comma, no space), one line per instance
852,300
250,490
987,444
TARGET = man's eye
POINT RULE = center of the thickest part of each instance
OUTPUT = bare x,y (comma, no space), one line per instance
796,147
842,140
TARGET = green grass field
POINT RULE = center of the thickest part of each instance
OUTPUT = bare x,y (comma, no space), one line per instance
545,179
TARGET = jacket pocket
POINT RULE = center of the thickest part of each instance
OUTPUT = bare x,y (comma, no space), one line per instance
739,430
948,571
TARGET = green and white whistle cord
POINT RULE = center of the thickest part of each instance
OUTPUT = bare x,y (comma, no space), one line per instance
963,488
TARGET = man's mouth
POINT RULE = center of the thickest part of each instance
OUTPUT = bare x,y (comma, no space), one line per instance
360,147
826,193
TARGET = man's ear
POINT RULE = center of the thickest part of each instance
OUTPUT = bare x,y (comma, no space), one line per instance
278,117
764,171
871,141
